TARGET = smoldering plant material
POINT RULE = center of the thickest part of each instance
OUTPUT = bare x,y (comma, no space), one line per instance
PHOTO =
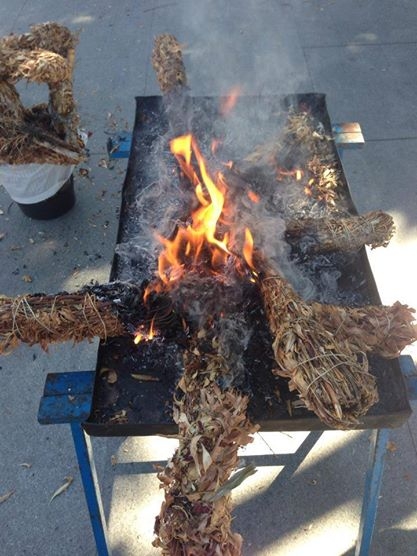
45,133
301,152
168,64
50,319
195,517
300,131
383,330
101,311
330,377
374,228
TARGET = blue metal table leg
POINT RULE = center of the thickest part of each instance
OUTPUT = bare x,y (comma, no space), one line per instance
373,480
88,474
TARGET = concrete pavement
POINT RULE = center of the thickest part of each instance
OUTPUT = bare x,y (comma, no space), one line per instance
362,55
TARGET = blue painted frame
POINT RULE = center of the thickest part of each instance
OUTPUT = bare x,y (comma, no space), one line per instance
68,399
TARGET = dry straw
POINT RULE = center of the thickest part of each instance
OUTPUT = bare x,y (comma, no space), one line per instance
48,319
383,330
195,518
43,134
344,234
167,63
330,377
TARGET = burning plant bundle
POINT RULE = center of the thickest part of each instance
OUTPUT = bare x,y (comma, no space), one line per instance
212,420
42,319
215,257
320,235
43,133
195,517
99,311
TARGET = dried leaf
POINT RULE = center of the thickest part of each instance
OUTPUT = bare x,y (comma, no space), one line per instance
103,163
391,446
2,235
62,488
6,496
27,278
26,465
110,375
234,481
145,378
207,461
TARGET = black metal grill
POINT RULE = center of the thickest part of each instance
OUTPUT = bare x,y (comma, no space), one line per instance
129,406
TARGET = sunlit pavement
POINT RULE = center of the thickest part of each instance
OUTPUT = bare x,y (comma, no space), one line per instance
362,55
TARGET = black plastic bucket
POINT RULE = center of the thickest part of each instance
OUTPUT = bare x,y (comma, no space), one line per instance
53,207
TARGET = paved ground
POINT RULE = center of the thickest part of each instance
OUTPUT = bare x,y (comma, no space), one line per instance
362,55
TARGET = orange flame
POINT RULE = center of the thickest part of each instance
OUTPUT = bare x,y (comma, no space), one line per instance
227,105
248,248
254,197
190,241
215,144
147,336
282,173
200,240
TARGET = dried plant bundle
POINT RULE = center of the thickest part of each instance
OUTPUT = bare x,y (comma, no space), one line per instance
195,517
13,111
384,330
28,144
48,135
168,64
331,378
343,234
102,310
47,36
61,97
39,66
48,319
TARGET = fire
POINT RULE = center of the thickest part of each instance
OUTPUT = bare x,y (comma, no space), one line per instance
209,238
308,188
297,174
254,197
215,145
200,240
142,335
227,105
248,248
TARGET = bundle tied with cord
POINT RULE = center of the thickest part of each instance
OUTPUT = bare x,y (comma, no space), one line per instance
320,235
330,377
196,515
46,133
101,311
